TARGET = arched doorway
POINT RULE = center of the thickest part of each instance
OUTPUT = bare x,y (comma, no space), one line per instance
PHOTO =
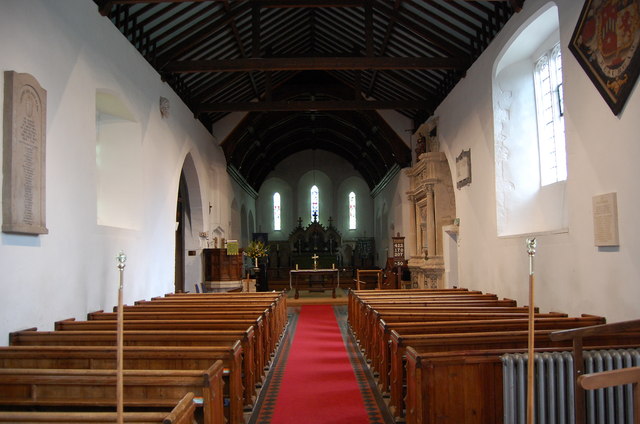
189,224
182,211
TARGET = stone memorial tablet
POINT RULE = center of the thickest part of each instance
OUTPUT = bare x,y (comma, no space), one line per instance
23,188
605,220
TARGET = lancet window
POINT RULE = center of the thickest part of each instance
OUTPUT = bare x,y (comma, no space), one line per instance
352,211
276,212
315,204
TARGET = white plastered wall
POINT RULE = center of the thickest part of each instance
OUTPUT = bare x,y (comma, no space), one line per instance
572,275
74,52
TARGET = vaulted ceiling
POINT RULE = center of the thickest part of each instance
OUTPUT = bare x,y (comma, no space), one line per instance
310,73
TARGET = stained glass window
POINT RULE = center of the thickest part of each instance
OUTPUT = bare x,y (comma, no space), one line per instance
276,212
352,211
315,204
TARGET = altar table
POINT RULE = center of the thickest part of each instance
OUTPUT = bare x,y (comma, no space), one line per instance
316,279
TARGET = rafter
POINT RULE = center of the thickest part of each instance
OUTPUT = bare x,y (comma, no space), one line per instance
316,63
274,106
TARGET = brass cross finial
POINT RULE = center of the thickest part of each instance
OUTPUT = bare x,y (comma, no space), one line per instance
315,261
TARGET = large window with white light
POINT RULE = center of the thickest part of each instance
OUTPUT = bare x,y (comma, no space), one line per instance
276,212
315,204
530,153
549,107
352,211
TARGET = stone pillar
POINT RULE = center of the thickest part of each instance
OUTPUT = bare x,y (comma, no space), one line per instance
431,223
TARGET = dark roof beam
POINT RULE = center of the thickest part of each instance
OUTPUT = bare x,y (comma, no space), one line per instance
243,53
312,105
330,42
192,38
385,43
453,16
368,28
447,22
175,23
309,3
316,63
427,34
413,20
467,11
215,85
284,33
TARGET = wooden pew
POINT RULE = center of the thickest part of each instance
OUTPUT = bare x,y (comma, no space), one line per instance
278,298
26,387
137,358
273,314
262,344
461,386
151,338
361,306
380,357
447,342
271,319
268,333
355,296
182,413
356,299
366,326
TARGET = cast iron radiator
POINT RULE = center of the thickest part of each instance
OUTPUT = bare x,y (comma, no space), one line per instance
554,390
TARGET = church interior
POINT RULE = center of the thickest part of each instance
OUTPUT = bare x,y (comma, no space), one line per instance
417,168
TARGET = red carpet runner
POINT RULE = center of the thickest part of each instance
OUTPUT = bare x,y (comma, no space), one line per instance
319,385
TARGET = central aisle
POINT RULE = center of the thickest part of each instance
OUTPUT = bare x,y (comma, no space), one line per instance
314,381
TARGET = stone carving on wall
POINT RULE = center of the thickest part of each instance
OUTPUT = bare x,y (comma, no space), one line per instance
24,145
432,196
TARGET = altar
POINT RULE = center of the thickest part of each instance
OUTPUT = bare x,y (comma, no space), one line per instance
315,279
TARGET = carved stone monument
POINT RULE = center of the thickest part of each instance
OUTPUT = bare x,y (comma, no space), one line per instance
23,189
433,200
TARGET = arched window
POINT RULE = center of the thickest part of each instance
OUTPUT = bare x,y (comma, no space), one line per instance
530,158
352,211
315,204
548,88
276,212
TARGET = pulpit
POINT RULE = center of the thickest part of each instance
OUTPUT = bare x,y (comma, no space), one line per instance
222,272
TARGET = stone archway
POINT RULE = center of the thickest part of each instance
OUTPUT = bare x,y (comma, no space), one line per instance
189,223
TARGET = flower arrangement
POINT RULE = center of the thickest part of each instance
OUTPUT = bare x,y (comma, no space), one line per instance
257,249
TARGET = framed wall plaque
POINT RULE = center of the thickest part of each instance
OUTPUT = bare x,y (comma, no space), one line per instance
605,220
463,169
606,43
